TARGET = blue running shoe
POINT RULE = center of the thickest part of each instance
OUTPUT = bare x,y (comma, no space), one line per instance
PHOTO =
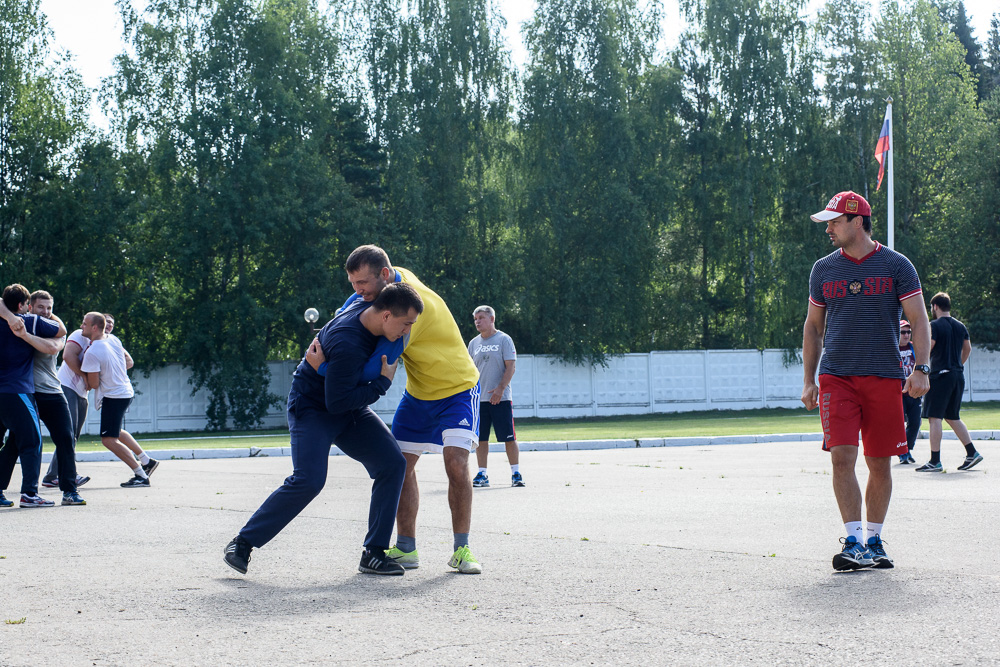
877,553
854,556
4,502
73,498
481,480
516,480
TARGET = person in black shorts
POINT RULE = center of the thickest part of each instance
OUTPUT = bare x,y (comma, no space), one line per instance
494,355
950,349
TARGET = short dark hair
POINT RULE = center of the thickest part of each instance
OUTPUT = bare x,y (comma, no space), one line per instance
367,255
398,299
40,294
942,301
866,222
14,296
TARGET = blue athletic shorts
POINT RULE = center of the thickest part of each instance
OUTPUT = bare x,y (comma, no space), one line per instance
430,426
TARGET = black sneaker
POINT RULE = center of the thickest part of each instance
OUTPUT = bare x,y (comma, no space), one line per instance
237,554
375,562
877,553
148,468
971,461
136,482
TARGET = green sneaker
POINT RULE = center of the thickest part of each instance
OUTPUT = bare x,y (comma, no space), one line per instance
465,562
408,559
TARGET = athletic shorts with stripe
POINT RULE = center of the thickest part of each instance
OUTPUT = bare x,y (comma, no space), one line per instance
430,426
866,403
500,417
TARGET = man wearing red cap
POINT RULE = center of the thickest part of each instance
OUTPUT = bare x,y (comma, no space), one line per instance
911,405
856,295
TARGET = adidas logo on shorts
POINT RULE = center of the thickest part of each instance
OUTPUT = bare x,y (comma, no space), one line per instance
464,422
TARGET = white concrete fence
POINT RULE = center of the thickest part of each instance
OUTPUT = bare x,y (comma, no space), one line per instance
657,382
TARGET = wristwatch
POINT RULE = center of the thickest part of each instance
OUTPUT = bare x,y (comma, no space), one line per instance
923,368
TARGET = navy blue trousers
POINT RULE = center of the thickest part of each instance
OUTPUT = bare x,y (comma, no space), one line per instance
360,434
19,415
911,413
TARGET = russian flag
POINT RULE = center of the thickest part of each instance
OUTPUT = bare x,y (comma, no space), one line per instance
883,147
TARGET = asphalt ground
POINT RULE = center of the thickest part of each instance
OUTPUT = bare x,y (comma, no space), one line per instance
708,555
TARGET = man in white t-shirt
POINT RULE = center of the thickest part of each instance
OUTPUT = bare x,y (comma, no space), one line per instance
75,389
106,364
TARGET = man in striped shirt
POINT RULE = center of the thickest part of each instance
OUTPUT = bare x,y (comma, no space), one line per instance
856,296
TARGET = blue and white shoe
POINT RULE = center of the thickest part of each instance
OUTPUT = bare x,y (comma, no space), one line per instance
971,461
35,501
481,480
877,553
854,556
516,480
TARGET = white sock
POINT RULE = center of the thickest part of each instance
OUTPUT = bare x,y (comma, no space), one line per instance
139,472
482,471
144,458
515,467
872,530
855,530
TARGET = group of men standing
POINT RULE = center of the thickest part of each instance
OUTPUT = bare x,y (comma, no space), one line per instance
862,348
34,390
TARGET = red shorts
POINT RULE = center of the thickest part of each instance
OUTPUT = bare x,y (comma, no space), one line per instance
866,403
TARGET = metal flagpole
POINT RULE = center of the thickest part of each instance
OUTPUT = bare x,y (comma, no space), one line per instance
892,231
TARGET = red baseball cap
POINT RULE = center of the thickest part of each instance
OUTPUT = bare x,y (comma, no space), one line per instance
843,203
903,323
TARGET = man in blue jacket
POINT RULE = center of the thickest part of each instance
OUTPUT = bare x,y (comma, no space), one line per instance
18,412
333,409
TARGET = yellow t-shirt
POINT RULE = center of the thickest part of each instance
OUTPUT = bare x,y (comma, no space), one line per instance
436,358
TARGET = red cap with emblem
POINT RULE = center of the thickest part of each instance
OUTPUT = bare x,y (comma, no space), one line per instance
843,203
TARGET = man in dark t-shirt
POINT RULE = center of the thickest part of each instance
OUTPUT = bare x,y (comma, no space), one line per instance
856,295
950,349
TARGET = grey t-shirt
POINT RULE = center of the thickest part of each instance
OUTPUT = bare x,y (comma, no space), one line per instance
489,356
46,380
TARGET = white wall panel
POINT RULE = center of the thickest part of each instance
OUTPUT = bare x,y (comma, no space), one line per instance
623,382
781,382
734,376
562,385
545,387
678,377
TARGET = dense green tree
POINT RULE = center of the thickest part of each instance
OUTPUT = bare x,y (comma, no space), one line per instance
42,116
257,167
991,61
440,89
588,243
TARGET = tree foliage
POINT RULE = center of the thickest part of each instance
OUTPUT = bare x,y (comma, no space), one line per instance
606,197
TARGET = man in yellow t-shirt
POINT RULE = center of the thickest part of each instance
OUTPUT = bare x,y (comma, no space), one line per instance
439,411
